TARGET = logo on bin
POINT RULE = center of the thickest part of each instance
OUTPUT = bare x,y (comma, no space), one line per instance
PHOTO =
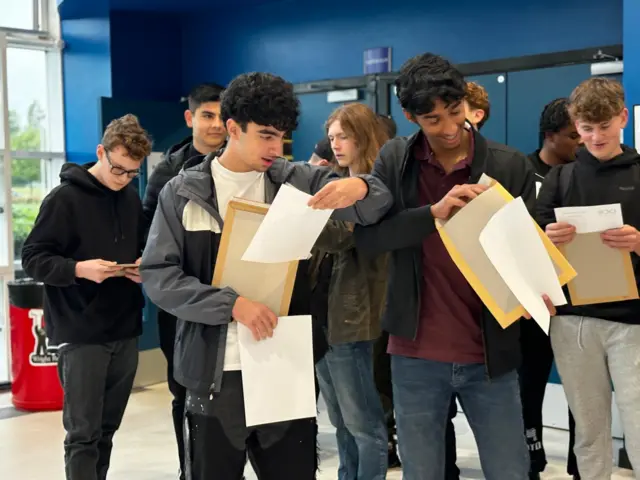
41,354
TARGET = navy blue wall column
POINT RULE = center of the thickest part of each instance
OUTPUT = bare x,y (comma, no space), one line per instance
146,56
631,50
86,63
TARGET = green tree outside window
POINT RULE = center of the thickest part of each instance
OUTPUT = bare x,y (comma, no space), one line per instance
25,173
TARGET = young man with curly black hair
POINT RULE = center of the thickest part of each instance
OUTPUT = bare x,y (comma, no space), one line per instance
559,141
177,268
442,339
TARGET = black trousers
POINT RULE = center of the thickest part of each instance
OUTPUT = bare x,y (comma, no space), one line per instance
537,360
167,333
97,382
218,441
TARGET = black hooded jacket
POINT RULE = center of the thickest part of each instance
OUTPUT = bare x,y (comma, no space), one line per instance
174,160
590,182
79,220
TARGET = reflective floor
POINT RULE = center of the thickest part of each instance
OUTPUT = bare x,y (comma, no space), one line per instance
31,445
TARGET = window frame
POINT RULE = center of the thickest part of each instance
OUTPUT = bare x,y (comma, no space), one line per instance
8,269
45,36
41,19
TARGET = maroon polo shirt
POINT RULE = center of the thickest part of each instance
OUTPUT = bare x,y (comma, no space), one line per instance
450,311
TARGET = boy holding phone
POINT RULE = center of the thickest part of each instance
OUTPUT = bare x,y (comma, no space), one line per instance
85,247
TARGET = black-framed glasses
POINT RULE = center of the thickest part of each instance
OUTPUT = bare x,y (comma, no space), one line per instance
116,170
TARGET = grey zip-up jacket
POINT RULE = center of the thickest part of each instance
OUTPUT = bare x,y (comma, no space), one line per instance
179,259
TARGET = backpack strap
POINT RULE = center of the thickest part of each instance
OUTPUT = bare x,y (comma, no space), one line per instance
565,179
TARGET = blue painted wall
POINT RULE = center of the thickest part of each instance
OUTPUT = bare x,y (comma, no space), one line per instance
146,56
631,37
128,55
319,40
86,77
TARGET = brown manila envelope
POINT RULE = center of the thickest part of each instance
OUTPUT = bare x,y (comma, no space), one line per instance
268,283
461,237
605,274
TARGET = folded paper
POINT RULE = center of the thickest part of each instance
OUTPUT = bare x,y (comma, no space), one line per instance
461,236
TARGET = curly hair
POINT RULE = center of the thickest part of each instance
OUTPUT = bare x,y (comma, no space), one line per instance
596,100
478,98
554,117
426,78
263,99
127,132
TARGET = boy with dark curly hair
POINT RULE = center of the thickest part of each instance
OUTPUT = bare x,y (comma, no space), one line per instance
258,110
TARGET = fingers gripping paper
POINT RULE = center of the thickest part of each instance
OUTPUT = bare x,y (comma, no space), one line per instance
289,230
515,249
605,274
277,373
461,237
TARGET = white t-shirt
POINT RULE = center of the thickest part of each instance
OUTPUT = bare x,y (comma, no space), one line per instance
250,186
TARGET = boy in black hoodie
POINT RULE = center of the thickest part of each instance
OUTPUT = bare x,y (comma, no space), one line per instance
597,346
88,226
209,135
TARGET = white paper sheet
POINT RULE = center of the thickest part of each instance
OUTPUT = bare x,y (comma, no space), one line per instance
289,229
591,219
515,249
277,373
485,180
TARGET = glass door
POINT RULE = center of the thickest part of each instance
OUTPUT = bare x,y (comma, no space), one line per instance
6,230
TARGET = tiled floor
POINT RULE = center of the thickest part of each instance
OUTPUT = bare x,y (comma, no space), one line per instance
31,445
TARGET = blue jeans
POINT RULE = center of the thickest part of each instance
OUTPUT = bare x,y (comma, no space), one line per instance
345,377
422,394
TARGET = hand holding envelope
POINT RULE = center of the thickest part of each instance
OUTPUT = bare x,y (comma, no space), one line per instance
548,303
513,267
456,198
599,249
625,238
560,233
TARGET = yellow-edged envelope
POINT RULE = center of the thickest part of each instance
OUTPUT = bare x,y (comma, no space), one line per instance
461,237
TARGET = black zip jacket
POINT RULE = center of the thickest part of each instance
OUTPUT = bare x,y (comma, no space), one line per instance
174,160
591,182
81,219
405,226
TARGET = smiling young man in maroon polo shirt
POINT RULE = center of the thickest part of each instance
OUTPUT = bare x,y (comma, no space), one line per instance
442,338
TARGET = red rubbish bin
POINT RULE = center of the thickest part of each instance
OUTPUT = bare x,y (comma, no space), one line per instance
34,366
